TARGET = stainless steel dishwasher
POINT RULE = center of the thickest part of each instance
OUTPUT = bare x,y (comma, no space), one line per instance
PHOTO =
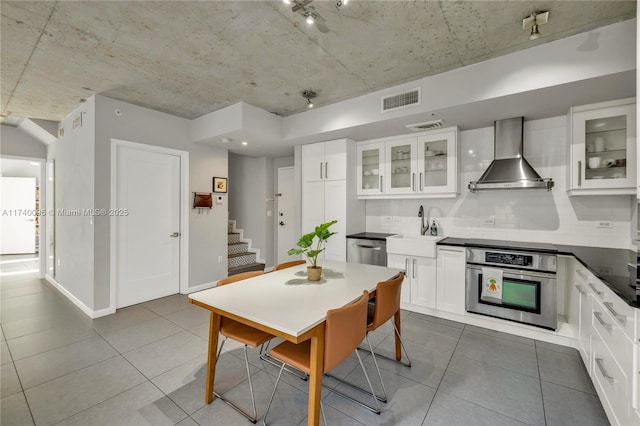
367,247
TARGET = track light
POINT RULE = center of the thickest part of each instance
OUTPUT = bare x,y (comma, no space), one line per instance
308,95
535,34
286,1
310,19
533,21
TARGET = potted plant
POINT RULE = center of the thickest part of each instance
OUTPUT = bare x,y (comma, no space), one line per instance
306,243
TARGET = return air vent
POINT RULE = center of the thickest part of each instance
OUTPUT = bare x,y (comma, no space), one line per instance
401,100
428,125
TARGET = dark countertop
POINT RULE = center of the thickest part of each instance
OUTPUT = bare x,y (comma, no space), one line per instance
370,236
611,266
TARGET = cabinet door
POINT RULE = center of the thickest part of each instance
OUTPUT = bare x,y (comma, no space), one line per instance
313,162
423,281
400,166
451,280
335,208
604,148
402,262
370,164
335,160
584,320
437,162
313,205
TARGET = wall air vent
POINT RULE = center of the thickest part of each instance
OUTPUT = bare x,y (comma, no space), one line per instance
401,100
428,125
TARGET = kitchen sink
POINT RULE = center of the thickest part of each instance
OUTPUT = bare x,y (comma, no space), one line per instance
413,244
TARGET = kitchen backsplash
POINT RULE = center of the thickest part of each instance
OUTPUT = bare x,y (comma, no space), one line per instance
521,214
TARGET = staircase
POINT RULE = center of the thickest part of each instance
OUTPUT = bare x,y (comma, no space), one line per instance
239,257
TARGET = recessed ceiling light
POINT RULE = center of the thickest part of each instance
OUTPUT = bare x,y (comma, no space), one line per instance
225,140
245,143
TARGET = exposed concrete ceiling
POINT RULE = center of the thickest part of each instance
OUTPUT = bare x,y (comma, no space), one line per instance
193,57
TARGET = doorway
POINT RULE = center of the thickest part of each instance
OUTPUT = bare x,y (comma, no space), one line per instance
288,223
148,222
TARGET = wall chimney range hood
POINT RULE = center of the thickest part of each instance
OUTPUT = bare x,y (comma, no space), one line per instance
509,169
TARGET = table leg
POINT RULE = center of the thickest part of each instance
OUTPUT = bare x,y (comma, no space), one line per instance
396,320
214,330
315,376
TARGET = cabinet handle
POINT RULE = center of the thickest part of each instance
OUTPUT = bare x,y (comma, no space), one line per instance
582,274
621,318
381,190
406,266
326,170
413,269
579,173
598,316
581,290
450,250
599,363
595,290
413,182
420,181
320,170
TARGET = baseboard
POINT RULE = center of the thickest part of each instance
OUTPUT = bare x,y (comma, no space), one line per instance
200,287
84,308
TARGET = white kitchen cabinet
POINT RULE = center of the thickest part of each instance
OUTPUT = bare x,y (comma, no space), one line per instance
450,291
423,165
583,336
419,287
602,148
326,198
370,168
438,162
325,161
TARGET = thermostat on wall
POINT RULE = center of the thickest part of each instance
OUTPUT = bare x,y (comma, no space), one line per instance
219,199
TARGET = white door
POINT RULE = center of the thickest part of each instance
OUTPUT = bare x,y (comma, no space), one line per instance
18,215
147,237
288,225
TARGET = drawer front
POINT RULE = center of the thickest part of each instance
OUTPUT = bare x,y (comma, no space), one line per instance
613,337
611,382
623,314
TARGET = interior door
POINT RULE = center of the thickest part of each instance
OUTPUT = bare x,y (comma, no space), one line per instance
148,239
288,224
18,215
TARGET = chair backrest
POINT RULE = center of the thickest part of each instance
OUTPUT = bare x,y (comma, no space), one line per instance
344,330
288,264
387,300
239,277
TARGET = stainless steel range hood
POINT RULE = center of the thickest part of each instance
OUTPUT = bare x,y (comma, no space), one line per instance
509,169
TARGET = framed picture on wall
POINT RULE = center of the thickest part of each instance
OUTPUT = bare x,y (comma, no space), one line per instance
219,184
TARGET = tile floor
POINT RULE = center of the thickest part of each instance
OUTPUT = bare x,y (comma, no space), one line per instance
145,365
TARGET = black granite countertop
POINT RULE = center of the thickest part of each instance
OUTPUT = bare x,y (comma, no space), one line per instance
370,236
611,266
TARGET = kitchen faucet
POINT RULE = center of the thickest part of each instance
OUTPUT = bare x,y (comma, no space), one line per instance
423,229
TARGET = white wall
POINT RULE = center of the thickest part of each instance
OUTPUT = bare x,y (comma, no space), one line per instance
520,215
15,141
207,232
74,155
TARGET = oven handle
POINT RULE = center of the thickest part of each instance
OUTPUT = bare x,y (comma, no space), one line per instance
514,273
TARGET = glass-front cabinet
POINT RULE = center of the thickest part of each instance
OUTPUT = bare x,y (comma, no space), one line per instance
603,148
370,168
409,166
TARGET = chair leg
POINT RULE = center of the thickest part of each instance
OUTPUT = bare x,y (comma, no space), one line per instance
324,416
264,419
369,382
220,348
375,362
253,418
403,348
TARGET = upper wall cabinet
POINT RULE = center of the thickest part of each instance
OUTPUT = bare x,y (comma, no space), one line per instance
423,165
324,161
603,148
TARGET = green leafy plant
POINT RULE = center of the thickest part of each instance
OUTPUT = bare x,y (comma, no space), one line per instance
306,243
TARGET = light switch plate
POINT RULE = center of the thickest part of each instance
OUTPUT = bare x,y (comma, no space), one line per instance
604,224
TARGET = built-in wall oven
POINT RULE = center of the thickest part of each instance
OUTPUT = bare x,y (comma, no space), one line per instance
528,290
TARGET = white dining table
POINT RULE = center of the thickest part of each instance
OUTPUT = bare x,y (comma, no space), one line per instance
284,303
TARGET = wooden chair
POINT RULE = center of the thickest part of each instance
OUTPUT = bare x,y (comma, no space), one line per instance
245,334
387,303
289,264
344,330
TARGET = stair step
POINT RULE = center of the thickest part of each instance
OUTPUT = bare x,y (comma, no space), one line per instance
246,268
239,259
233,237
235,248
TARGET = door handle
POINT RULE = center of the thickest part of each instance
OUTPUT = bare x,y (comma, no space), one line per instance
579,173
598,316
175,235
595,290
413,269
381,190
413,182
420,181
406,266
281,223
326,170
581,290
368,247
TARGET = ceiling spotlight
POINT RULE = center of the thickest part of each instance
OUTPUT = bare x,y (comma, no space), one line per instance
245,143
340,3
533,21
308,95
225,140
310,19
286,1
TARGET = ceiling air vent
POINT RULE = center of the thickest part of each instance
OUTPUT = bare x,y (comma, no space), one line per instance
401,100
428,125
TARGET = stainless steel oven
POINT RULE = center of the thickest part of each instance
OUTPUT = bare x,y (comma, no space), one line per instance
529,293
